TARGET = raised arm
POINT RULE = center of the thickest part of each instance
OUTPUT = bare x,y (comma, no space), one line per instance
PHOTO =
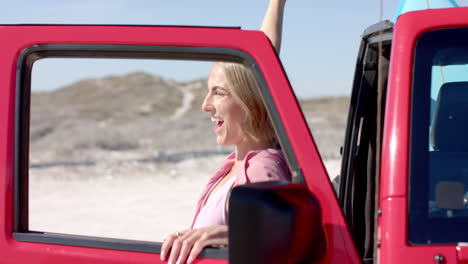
272,23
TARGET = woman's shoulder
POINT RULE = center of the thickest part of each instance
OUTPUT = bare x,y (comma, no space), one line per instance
266,165
269,155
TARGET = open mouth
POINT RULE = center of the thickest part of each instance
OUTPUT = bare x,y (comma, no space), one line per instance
219,122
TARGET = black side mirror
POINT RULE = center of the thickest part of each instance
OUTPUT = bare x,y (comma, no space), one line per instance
274,222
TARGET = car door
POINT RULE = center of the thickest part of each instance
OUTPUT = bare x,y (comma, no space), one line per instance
24,47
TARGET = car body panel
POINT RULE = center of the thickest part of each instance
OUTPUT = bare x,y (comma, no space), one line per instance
393,196
15,39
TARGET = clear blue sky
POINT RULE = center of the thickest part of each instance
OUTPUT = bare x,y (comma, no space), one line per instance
320,38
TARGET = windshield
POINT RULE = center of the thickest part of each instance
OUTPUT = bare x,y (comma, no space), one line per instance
439,139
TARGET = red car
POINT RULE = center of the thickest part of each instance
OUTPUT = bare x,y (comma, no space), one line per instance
402,195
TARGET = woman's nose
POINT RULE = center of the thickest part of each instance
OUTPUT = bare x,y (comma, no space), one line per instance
207,106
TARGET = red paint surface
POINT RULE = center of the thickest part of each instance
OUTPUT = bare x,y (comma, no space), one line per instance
462,253
15,39
393,199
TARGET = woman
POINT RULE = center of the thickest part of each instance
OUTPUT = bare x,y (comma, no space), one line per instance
235,106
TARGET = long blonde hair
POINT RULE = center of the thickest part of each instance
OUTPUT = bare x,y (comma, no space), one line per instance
245,88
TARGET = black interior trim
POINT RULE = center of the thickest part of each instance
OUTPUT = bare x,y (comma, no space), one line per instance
362,148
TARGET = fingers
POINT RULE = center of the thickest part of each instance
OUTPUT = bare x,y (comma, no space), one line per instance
210,236
196,250
203,242
175,251
168,243
166,246
188,246
180,245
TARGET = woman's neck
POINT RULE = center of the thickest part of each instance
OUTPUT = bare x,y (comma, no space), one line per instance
247,146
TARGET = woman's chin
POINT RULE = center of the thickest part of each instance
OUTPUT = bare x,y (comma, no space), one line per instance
221,141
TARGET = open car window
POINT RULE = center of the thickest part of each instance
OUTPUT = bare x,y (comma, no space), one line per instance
113,149
118,148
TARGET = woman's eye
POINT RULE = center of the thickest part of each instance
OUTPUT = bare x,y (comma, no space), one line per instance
219,92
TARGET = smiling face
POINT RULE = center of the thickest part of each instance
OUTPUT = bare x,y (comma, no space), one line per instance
225,111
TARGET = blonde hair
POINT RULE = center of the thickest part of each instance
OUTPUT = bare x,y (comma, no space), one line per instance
245,88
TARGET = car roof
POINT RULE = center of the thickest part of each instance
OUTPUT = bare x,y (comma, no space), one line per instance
413,5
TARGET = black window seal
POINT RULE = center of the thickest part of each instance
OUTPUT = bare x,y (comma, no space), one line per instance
381,32
359,175
26,60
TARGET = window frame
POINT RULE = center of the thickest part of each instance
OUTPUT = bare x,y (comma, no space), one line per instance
26,60
422,230
362,153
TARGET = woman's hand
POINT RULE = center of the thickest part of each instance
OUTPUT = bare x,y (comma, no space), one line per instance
188,244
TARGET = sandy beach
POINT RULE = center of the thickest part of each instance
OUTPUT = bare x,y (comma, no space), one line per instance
136,200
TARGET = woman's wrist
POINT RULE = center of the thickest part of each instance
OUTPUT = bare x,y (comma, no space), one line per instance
282,2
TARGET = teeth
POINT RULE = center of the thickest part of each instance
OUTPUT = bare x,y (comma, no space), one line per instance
213,119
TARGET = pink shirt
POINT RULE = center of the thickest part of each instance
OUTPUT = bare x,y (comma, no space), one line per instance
258,166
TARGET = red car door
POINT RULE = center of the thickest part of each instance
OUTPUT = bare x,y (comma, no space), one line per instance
23,45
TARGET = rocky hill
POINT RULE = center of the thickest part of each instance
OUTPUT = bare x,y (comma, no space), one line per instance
125,113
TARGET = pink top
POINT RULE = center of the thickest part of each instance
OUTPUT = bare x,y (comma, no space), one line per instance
258,166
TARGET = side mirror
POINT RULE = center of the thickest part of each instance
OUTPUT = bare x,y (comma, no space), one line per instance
274,222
